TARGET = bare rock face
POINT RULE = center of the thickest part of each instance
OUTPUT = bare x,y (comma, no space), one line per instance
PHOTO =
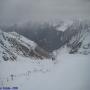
41,52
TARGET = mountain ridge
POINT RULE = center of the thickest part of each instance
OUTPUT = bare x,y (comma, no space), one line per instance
13,44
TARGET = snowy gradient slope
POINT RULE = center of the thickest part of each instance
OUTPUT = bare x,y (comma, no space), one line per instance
69,72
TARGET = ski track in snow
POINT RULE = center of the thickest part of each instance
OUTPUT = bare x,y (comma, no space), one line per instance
23,68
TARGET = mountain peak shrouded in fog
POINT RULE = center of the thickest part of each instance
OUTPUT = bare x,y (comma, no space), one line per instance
48,36
14,11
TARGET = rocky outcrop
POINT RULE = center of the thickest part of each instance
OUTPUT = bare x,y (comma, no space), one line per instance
14,45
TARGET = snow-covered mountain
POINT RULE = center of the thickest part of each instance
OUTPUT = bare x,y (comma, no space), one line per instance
74,36
78,37
49,36
13,45
27,70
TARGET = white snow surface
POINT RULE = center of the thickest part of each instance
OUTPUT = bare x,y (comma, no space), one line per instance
68,72
23,39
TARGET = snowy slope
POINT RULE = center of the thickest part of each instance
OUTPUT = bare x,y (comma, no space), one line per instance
13,45
71,72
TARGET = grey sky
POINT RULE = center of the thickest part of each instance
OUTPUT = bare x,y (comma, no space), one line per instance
14,11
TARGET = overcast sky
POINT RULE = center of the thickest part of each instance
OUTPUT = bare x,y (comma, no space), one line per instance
14,11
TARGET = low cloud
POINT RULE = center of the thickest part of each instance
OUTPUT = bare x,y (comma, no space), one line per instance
14,11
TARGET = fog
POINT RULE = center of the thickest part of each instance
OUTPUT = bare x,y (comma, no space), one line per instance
15,11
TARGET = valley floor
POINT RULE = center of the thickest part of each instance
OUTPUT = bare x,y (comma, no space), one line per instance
68,72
